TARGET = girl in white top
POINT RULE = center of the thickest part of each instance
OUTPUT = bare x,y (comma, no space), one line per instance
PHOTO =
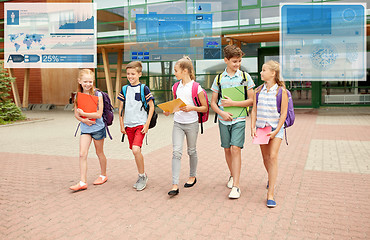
265,114
185,123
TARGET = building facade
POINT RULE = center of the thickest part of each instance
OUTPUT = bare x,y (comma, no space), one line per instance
252,25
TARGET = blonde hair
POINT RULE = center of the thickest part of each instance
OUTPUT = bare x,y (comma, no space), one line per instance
136,65
186,63
232,51
81,73
275,66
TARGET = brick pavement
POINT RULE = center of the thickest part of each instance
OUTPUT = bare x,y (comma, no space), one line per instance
35,202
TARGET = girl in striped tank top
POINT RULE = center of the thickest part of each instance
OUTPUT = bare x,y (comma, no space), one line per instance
265,114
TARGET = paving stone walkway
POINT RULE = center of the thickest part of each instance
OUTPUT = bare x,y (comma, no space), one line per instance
322,192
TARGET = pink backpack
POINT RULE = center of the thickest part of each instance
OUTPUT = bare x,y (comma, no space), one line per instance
202,117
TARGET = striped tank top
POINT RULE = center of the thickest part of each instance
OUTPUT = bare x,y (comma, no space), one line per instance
267,114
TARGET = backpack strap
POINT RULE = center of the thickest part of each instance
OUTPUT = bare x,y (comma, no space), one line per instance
143,100
78,126
194,94
175,86
279,96
218,82
124,91
245,87
245,90
258,90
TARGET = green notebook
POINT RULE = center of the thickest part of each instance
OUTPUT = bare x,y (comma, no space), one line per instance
236,94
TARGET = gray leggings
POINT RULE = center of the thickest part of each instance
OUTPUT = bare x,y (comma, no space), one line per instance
191,132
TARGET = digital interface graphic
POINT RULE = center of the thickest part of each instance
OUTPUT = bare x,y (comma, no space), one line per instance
323,42
166,36
50,35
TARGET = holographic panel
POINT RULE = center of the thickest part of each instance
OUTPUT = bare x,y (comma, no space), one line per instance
212,48
171,30
50,35
323,42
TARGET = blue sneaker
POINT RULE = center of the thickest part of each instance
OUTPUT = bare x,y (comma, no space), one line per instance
271,203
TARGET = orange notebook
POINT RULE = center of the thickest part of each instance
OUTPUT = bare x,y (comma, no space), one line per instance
88,103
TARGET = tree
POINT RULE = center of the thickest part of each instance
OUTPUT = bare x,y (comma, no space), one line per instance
9,112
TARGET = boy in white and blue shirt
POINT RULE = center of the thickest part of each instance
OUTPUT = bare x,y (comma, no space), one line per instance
134,120
232,129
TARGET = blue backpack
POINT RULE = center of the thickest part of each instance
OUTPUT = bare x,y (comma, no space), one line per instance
144,106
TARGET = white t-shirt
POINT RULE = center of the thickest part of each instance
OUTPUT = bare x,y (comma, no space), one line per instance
184,93
135,115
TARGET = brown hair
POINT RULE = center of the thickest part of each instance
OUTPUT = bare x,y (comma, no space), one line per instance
186,63
275,66
81,73
135,64
233,51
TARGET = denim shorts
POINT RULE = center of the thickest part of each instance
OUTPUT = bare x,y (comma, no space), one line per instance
232,135
98,135
280,134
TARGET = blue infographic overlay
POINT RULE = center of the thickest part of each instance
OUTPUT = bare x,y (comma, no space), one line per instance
50,35
174,35
175,30
323,42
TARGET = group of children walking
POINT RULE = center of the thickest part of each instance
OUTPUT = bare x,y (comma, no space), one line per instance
134,121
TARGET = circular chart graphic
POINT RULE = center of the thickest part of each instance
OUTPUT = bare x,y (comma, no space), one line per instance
323,56
174,35
349,15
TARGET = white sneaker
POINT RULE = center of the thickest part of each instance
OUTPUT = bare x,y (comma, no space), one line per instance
230,182
235,193
135,185
141,184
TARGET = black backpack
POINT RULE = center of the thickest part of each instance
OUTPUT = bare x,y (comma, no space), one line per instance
145,106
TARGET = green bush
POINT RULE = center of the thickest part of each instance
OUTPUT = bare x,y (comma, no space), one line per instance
9,112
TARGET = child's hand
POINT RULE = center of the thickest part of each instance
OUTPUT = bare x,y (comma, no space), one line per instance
123,130
88,122
80,112
166,113
226,116
226,102
272,134
187,108
253,132
145,128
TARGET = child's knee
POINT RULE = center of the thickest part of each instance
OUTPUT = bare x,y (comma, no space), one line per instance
99,153
83,154
136,150
192,151
176,154
235,149
227,150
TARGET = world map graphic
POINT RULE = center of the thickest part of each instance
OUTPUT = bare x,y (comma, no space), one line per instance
27,41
